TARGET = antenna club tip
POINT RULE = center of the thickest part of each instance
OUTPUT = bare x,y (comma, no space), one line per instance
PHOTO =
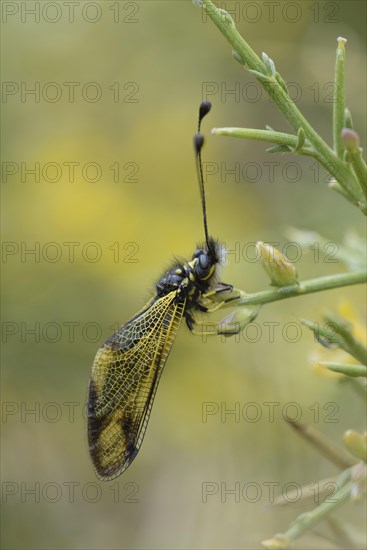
205,107
198,142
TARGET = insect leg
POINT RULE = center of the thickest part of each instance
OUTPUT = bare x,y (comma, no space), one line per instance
217,305
217,329
218,290
214,304
189,321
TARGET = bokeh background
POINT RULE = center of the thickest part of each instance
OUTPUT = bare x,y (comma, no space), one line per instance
152,62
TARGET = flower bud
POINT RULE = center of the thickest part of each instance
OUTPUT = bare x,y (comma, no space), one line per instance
356,444
350,139
279,269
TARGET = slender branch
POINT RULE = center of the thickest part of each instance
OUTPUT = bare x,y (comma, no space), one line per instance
260,135
306,287
307,520
346,339
353,155
326,446
360,169
276,88
280,138
339,104
346,368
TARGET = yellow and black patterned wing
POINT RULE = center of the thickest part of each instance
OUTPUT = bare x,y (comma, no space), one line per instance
125,376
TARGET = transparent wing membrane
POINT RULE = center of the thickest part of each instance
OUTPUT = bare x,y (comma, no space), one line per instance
124,381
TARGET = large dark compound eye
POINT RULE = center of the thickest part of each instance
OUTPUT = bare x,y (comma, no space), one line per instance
198,252
203,266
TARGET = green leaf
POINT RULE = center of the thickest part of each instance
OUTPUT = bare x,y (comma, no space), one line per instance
348,121
279,149
347,369
238,58
269,64
281,82
261,76
326,336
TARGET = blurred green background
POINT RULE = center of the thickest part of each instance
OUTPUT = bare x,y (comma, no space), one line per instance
151,62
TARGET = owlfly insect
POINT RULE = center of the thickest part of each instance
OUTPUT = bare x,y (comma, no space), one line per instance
128,366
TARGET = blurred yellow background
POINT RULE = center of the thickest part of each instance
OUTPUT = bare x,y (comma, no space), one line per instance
117,87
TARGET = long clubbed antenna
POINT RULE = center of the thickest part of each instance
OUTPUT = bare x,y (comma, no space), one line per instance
198,144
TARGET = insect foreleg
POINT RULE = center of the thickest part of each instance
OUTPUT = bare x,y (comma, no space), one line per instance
222,287
215,295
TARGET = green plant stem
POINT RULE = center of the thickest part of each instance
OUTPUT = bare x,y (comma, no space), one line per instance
360,169
337,168
346,368
339,103
305,521
348,481
337,455
280,138
306,287
347,341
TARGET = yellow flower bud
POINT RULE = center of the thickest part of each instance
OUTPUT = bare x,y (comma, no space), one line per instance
356,444
277,266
